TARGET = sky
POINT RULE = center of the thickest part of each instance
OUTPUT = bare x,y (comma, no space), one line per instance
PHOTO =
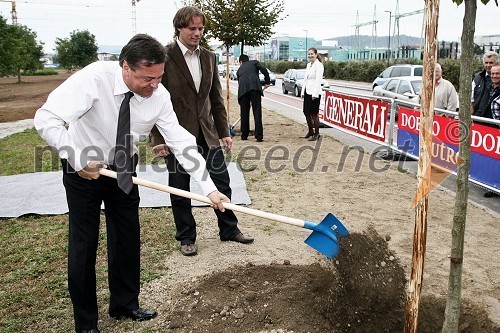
112,23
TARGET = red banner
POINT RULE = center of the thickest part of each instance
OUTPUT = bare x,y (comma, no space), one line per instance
485,140
360,115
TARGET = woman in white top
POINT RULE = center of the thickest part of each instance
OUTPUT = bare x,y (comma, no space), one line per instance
311,90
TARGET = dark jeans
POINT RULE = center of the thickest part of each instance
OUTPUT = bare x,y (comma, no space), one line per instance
254,98
123,244
181,207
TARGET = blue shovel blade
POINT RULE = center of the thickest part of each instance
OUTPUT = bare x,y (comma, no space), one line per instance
325,235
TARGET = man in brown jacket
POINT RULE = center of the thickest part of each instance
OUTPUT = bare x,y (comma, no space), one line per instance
192,78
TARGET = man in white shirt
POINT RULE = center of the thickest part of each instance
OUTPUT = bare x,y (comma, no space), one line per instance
88,103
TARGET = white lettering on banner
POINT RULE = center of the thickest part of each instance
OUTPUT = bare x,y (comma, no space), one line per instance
355,115
413,122
444,153
488,142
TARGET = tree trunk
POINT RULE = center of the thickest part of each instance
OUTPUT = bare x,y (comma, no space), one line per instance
452,311
424,166
19,77
227,85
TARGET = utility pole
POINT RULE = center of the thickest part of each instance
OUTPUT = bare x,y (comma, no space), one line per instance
389,54
306,44
357,45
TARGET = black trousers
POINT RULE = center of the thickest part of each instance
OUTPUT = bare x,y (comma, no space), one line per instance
123,244
254,98
185,223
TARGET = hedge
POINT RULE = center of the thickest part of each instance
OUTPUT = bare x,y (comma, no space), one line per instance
368,70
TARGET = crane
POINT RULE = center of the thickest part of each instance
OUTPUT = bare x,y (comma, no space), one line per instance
13,11
134,24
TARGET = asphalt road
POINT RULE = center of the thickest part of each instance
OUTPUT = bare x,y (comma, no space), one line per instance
291,107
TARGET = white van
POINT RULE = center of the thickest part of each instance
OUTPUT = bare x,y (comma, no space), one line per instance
397,71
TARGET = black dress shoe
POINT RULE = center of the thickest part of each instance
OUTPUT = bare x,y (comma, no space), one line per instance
189,249
240,238
94,330
136,315
490,194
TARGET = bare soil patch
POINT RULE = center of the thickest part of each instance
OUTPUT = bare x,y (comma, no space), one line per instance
279,284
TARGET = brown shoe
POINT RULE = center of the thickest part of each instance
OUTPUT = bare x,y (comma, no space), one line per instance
240,238
189,249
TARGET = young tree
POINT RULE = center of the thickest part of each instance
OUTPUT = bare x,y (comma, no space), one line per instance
77,51
452,311
232,22
19,50
28,51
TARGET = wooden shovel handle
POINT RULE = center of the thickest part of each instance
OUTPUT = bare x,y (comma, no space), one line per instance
201,198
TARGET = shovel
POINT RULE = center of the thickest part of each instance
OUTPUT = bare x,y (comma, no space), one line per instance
324,237
231,127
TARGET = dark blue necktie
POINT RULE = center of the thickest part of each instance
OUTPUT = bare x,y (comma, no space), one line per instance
123,161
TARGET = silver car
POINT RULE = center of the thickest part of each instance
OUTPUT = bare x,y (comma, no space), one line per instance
272,78
405,88
293,80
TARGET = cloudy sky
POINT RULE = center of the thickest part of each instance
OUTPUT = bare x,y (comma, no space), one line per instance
112,24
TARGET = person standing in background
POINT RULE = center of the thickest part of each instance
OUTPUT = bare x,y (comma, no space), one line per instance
311,93
481,87
192,78
250,91
445,95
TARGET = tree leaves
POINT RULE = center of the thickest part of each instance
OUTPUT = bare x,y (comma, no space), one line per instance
77,51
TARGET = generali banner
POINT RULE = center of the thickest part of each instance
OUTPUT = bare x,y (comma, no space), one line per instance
485,144
363,116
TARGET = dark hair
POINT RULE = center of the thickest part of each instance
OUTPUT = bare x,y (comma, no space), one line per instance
142,50
244,58
315,50
184,16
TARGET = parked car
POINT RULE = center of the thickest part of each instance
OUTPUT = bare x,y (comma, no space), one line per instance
221,68
293,80
397,71
405,88
272,78
232,72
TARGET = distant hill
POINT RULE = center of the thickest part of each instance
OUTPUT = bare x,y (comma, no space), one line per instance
111,49
380,42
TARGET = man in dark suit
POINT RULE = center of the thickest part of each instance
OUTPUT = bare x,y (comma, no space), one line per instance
250,91
192,78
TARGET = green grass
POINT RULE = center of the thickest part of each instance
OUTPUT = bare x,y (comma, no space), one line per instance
26,152
33,253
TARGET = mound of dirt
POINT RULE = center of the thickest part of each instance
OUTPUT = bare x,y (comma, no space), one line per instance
361,290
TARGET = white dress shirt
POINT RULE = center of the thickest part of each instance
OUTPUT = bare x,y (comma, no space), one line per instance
193,63
312,79
80,119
